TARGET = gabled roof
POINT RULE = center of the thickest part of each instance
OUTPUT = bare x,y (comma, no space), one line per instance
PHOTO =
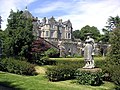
68,23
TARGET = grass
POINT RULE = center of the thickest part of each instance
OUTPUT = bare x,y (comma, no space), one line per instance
76,59
40,82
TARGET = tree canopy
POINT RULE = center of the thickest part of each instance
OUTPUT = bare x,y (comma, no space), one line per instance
112,23
87,29
18,35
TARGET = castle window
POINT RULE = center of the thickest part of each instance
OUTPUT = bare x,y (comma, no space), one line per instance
52,26
52,34
69,35
66,35
47,33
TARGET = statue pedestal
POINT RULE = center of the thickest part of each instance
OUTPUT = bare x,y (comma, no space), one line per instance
91,70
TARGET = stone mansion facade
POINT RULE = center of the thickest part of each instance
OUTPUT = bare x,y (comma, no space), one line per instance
58,33
53,30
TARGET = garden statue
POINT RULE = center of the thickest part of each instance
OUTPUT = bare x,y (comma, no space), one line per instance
61,48
89,52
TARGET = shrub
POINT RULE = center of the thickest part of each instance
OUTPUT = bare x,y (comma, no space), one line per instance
41,60
52,53
17,66
61,72
89,78
77,56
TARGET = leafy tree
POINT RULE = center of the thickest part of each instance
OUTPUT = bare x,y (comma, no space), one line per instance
105,37
39,46
87,29
18,35
76,34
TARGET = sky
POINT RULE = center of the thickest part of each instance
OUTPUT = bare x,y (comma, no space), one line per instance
79,12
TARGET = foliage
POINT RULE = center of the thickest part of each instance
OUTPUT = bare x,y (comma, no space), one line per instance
68,56
39,46
76,34
18,35
113,22
105,37
17,66
78,62
39,82
1,41
113,57
37,51
1,37
61,72
87,29
42,61
89,78
77,56
52,53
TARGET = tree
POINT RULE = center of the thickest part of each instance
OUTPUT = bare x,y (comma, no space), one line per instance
87,29
113,22
18,35
76,34
105,37
113,57
1,37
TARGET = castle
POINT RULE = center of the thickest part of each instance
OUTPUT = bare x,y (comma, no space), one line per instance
58,33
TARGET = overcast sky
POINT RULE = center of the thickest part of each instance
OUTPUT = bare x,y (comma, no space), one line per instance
80,12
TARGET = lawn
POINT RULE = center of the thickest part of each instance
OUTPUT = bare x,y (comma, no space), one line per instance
40,82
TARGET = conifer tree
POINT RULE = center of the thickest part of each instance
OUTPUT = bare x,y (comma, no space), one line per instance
113,57
18,35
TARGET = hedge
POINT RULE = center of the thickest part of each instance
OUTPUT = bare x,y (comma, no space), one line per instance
89,78
17,66
61,72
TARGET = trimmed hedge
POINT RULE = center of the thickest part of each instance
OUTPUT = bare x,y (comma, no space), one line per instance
89,78
79,63
17,66
67,69
61,72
